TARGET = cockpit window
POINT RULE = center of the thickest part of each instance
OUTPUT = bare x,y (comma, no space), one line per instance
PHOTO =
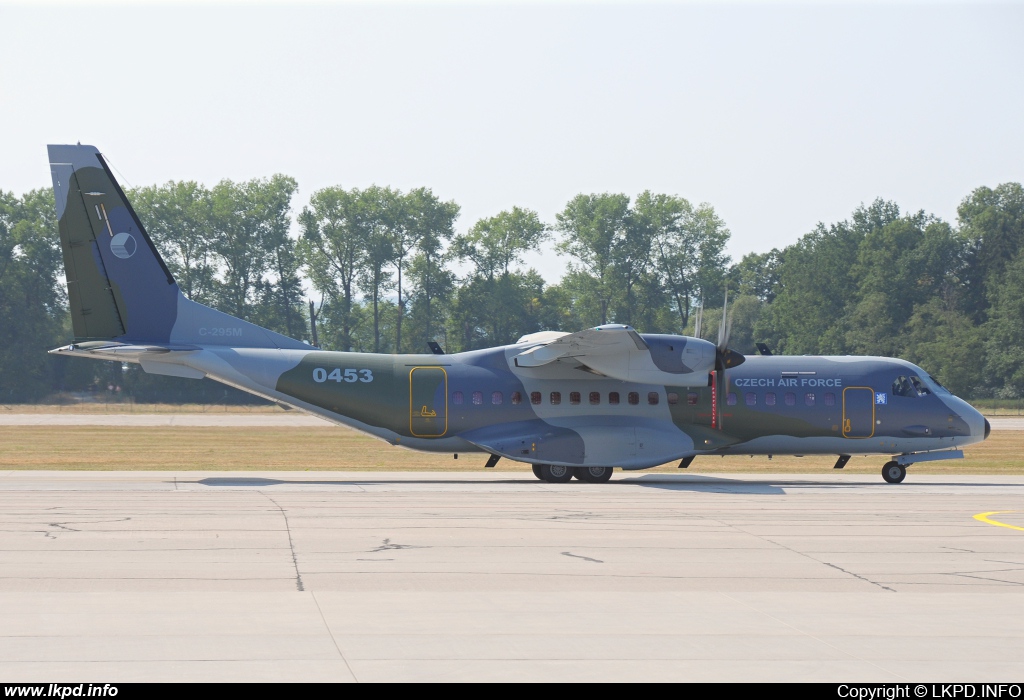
922,388
936,387
913,387
901,386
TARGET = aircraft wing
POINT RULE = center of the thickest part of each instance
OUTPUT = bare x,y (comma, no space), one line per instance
619,352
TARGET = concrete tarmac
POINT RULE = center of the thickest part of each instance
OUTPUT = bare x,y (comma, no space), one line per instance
119,576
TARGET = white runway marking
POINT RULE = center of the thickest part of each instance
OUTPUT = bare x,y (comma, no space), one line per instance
496,576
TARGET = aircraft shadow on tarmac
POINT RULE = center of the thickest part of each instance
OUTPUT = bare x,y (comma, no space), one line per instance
670,482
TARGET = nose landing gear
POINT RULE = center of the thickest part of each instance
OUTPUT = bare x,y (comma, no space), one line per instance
894,472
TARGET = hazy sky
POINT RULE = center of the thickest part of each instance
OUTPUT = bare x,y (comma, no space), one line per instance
780,116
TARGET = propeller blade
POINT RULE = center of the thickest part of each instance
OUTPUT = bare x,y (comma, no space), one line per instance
700,318
721,327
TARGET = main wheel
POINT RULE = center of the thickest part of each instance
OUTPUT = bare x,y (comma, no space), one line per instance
894,472
593,475
537,471
555,474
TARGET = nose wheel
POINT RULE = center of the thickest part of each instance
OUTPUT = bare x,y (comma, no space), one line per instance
894,472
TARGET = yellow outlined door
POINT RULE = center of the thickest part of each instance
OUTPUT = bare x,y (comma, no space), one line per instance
858,412
428,401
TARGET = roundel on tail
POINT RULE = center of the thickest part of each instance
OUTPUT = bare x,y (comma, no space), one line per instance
123,245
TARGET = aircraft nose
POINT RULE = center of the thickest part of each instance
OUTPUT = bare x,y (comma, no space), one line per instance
988,428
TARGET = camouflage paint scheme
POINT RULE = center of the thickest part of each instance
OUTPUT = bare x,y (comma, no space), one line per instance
126,306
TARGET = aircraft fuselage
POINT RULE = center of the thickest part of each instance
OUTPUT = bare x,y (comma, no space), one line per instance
481,401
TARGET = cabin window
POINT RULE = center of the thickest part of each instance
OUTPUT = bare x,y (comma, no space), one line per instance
497,398
535,397
634,398
595,398
652,398
769,398
691,398
790,398
517,398
613,398
730,399
478,398
457,398
556,398
751,398
830,398
809,399
574,398
673,398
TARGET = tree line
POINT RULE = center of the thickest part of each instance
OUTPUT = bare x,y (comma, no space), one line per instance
389,272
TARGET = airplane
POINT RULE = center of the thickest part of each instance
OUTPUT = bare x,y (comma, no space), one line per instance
573,405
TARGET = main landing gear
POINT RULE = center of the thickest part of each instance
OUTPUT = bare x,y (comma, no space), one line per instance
894,472
555,474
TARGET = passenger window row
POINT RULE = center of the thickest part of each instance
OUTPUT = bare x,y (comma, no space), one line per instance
789,398
575,398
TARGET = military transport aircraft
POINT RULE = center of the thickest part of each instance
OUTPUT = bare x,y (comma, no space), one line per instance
571,404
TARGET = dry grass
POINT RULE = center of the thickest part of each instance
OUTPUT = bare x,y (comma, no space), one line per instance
119,407
188,448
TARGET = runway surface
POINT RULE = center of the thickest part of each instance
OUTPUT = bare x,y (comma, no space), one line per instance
246,420
119,576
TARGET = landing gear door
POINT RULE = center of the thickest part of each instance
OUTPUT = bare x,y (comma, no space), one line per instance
858,412
428,401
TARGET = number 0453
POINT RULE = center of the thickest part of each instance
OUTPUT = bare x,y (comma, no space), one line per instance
321,375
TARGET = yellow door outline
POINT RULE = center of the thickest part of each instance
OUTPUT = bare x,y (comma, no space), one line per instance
846,421
424,411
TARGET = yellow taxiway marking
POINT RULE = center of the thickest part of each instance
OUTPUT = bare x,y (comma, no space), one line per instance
983,517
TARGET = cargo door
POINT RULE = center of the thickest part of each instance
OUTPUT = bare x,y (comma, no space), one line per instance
428,401
858,412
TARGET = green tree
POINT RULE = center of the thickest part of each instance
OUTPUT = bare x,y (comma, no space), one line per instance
422,224
1005,332
334,229
495,244
378,205
992,224
251,223
179,218
689,250
592,226
32,303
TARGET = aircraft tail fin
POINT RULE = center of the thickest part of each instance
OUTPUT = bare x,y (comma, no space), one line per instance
112,266
119,288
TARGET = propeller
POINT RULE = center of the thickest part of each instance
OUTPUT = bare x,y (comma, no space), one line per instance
725,359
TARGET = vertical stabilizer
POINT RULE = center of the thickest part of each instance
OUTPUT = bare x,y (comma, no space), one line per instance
118,286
